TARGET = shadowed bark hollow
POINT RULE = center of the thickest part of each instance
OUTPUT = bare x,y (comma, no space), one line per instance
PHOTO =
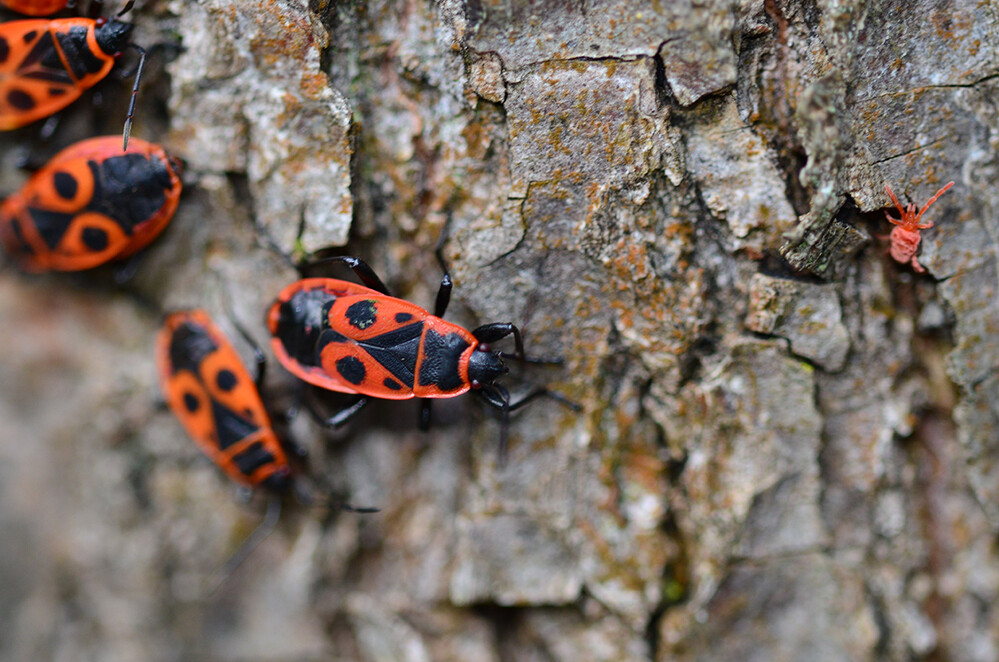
787,443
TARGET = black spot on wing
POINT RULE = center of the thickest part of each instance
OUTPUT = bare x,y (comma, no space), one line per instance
402,318
226,380
30,35
352,369
191,402
65,184
362,314
4,50
20,100
440,360
95,239
392,384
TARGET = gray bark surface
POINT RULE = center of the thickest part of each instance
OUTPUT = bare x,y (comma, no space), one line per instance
787,444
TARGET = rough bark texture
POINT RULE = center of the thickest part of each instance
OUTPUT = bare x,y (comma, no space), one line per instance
787,444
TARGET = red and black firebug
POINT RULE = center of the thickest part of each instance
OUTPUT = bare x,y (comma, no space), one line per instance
90,204
207,386
359,339
46,64
209,389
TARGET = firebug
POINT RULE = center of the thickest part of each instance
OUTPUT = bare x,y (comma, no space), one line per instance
207,386
209,389
45,65
359,339
91,203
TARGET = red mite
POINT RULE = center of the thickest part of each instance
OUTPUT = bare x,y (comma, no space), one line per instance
90,204
905,235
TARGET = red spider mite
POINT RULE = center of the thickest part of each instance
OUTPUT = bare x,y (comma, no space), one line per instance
90,204
905,236
35,7
350,338
45,65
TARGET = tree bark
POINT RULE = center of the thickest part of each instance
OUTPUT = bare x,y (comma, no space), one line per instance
785,448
